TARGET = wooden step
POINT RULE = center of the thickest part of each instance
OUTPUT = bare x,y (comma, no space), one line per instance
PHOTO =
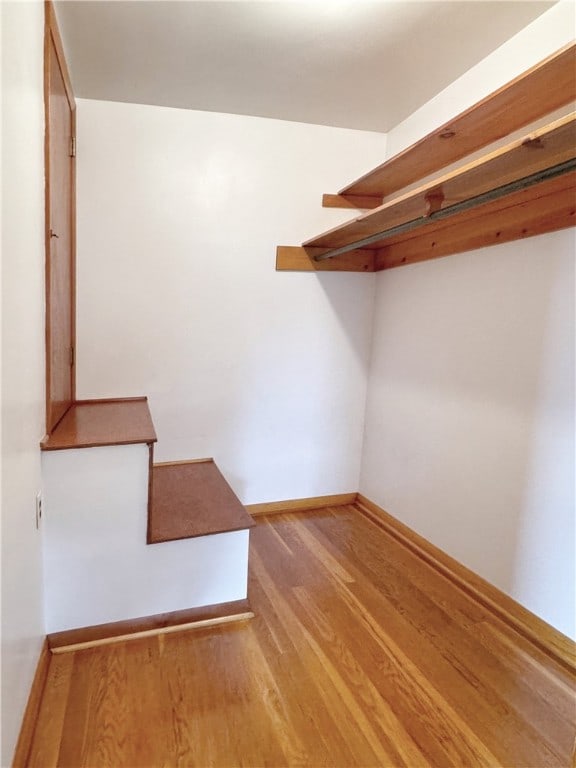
191,499
93,423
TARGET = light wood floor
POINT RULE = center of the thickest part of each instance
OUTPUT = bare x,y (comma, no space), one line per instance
359,655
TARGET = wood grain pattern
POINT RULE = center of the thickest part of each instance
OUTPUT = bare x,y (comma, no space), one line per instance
545,148
515,217
192,499
548,639
99,634
91,423
290,258
294,505
535,93
351,201
360,654
60,227
26,735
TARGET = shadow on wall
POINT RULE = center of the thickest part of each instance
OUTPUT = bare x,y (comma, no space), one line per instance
458,420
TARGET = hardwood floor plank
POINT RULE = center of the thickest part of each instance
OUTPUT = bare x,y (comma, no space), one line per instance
305,644
359,654
48,733
357,660
451,659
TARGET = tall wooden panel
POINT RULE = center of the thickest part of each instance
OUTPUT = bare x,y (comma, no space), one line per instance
60,227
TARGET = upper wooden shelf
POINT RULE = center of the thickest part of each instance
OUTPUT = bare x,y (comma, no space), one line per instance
548,86
92,423
524,188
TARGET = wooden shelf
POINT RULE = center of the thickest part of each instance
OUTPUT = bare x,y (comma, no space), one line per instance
191,499
543,149
548,86
92,423
514,217
525,188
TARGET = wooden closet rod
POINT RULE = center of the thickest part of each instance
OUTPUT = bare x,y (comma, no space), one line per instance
451,210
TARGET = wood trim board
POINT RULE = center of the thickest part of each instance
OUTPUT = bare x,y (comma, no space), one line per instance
548,639
297,505
515,217
290,258
352,201
180,462
146,626
26,735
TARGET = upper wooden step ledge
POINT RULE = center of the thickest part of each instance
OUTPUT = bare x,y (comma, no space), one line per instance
94,423
190,499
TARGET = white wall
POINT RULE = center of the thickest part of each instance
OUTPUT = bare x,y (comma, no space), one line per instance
97,565
179,216
470,413
22,355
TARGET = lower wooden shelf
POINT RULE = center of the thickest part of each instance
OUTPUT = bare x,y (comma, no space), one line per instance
191,499
548,207
525,188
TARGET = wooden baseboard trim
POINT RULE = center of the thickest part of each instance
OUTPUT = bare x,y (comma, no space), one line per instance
297,505
182,461
147,626
548,639
24,743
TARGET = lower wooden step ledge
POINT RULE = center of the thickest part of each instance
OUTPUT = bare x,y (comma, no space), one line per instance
192,498
146,626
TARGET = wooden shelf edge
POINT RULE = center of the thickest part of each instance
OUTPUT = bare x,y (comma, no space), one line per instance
528,157
291,258
358,202
300,505
30,718
183,461
516,217
540,90
95,400
76,430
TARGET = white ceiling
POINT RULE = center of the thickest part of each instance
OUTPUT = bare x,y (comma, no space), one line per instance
347,63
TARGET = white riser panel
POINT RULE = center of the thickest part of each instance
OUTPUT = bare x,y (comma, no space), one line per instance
97,565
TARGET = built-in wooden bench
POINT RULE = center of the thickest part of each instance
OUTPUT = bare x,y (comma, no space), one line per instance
192,498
